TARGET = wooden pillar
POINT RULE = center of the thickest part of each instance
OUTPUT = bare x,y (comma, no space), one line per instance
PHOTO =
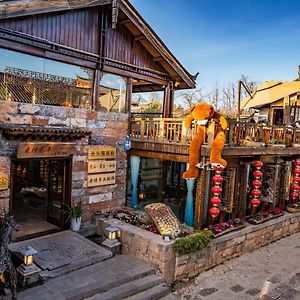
166,104
128,96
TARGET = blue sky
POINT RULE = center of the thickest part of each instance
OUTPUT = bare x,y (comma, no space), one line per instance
224,39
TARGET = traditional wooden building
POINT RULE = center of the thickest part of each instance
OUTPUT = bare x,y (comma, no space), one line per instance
67,73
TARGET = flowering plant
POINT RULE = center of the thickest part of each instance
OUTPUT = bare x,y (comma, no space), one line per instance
74,210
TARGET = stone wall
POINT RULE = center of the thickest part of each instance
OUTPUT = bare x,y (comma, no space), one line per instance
152,248
108,129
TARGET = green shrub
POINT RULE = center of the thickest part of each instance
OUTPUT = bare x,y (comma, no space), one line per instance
192,242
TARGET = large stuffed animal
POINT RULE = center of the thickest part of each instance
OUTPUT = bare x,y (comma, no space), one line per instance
202,113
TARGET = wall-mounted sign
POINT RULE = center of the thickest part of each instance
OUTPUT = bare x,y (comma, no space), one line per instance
36,150
3,182
101,166
101,153
101,179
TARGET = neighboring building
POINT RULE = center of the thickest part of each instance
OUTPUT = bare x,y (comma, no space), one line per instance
67,74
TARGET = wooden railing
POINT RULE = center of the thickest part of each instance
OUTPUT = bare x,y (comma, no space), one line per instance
169,130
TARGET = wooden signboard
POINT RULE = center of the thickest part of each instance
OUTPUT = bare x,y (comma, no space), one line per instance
101,179
101,166
3,182
101,153
36,150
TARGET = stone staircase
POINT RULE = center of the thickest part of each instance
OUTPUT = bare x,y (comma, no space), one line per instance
119,277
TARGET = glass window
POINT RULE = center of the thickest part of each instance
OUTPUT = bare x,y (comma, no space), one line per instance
112,93
26,78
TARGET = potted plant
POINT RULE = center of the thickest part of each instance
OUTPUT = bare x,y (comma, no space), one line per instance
73,212
276,143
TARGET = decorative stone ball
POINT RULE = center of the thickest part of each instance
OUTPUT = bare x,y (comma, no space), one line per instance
214,211
255,202
215,201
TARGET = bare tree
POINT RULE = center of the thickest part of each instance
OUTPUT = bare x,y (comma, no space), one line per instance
215,96
190,97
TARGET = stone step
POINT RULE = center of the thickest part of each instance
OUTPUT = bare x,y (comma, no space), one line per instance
129,289
91,280
171,297
156,292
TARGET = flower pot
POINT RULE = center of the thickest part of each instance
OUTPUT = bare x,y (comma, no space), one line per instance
75,224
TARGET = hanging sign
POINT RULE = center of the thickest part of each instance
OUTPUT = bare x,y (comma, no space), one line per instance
3,182
37,150
101,179
101,153
100,166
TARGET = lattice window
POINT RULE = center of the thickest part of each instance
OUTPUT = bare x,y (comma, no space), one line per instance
229,189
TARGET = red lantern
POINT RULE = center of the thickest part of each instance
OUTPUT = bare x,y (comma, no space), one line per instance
214,211
258,164
294,195
296,163
216,190
296,171
255,202
256,193
256,183
220,169
215,201
295,187
217,179
257,174
296,179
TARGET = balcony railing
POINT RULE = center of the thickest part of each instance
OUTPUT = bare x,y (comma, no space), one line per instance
169,130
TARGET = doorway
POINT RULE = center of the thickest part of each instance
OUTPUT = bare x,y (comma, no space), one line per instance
41,189
278,116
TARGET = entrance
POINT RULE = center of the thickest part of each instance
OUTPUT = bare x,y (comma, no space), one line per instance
41,189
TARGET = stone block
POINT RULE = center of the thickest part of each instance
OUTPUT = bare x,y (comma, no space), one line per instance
58,121
76,122
29,109
8,107
40,121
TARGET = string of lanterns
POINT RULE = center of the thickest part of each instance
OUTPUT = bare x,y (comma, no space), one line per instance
295,181
257,174
216,191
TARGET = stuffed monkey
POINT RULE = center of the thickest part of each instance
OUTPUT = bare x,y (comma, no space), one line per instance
202,113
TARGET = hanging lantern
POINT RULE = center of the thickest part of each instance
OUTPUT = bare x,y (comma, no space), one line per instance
214,211
256,183
216,190
218,170
215,201
217,179
257,174
294,195
256,193
295,187
255,202
296,163
296,179
258,164
296,171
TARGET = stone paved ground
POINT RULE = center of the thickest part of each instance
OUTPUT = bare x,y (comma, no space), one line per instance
271,272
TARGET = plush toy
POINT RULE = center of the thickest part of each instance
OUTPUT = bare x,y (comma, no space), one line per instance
202,113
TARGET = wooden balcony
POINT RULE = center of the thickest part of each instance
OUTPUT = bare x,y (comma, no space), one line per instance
167,138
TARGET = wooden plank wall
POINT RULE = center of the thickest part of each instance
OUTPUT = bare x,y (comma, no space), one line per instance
120,45
78,29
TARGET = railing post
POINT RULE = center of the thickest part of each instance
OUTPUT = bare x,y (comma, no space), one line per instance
161,129
142,129
183,133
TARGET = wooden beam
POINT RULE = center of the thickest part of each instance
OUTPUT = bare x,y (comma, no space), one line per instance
158,58
160,155
140,37
123,22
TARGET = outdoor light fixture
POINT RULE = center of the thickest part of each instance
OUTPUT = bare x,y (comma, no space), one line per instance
113,232
27,252
111,242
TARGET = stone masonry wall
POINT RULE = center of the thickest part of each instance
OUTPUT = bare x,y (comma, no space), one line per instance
153,249
109,129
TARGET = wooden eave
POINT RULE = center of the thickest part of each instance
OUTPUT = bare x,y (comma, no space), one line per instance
20,8
24,132
152,41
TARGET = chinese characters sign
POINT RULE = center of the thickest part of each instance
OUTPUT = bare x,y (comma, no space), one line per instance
99,166
101,153
32,150
101,179
3,182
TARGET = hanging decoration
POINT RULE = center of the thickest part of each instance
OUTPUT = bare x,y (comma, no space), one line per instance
216,191
256,183
295,182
